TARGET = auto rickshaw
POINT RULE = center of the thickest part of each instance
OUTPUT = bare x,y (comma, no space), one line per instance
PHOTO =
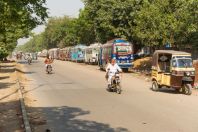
173,69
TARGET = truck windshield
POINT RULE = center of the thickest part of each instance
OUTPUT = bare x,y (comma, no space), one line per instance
183,63
124,48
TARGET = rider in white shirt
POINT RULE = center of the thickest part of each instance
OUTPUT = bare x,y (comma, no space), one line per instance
29,58
111,69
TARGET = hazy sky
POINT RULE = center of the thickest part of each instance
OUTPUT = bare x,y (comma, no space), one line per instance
64,7
59,8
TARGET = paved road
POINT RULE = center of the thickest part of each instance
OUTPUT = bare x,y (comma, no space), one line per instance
74,99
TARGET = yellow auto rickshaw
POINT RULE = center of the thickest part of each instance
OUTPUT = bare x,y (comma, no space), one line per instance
173,69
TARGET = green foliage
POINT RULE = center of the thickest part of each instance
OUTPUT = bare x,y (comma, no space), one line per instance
151,22
3,53
60,32
18,18
164,21
144,22
35,44
84,28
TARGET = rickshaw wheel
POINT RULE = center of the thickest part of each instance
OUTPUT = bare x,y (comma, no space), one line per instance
178,90
155,86
187,89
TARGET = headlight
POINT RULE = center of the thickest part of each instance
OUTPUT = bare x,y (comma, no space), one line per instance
188,73
192,73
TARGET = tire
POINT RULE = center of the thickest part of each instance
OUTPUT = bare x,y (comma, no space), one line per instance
119,89
178,90
110,89
49,69
155,86
187,89
125,70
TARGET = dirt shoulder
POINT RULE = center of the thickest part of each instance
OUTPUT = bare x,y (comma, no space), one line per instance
10,113
35,115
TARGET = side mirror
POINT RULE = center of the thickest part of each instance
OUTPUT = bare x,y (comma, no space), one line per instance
174,64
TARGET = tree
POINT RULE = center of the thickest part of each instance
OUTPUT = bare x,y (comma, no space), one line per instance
85,30
159,22
144,22
57,31
18,18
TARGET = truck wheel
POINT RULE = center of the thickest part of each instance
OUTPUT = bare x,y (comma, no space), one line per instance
125,70
155,86
187,89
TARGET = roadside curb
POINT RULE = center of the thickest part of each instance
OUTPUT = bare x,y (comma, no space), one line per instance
23,110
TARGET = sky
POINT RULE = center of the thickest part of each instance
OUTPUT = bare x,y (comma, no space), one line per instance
58,8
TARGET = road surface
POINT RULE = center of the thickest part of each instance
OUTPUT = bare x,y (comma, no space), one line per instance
74,98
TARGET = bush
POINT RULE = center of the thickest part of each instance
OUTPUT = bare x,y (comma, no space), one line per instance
3,53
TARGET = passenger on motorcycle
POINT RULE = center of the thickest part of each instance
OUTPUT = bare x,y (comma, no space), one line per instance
111,69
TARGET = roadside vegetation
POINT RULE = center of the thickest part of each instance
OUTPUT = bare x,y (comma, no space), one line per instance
153,23
17,19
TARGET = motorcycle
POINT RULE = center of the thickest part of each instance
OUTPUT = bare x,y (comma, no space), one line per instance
49,69
29,61
115,85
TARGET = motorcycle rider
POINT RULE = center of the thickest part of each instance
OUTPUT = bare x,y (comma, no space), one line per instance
29,58
111,69
48,61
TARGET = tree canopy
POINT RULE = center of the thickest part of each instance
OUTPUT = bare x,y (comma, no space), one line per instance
17,19
144,22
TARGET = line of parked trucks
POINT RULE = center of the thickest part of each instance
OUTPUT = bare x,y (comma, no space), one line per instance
171,69
118,49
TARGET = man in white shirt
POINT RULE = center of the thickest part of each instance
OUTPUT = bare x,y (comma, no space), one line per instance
111,69
29,58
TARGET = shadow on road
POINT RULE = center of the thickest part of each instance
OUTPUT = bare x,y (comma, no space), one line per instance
18,70
8,66
41,85
6,96
5,85
66,119
7,70
5,77
167,90
10,114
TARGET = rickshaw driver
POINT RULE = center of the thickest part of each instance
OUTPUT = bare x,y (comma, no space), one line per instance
111,69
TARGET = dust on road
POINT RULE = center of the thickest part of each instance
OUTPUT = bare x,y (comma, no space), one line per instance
10,113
